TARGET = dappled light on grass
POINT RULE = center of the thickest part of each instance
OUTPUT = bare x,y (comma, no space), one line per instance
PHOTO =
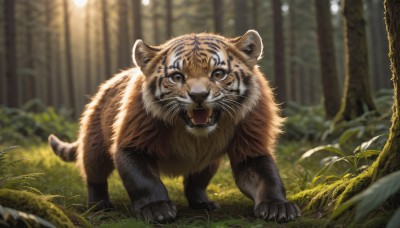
64,180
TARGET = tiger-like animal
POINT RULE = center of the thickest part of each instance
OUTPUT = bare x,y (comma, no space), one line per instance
188,102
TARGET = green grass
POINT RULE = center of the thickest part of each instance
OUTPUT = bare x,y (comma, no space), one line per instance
63,179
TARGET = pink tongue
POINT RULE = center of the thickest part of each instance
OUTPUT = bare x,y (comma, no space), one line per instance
200,116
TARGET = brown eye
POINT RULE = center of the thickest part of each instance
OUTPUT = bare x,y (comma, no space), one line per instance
218,75
176,78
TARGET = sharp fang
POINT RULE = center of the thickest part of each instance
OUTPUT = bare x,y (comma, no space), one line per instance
209,112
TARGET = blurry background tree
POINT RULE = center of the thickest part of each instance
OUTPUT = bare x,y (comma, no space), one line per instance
329,77
59,51
357,97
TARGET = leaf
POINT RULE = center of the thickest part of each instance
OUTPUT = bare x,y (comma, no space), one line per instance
330,148
378,193
6,212
348,134
368,153
367,144
394,220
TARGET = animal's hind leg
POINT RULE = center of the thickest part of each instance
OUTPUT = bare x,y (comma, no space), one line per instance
195,188
97,165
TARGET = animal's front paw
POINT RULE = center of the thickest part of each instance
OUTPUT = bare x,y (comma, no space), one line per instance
158,212
280,212
208,205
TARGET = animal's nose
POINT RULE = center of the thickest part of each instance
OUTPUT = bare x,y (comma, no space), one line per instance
200,96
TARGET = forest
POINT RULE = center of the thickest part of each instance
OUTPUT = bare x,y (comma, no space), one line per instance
333,65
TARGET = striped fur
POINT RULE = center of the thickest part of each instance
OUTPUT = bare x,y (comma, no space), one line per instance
66,151
144,110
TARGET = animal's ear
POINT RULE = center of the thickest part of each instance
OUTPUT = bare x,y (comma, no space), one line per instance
143,53
250,44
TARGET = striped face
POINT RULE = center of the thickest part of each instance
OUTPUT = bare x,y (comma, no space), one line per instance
200,78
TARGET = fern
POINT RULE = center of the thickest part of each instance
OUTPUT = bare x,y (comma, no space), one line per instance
3,163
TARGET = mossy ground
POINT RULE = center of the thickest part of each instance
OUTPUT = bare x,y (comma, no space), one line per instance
63,179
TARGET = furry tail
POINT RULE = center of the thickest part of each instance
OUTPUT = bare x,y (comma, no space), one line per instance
66,151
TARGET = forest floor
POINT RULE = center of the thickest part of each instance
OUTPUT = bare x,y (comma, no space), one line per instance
63,180
305,129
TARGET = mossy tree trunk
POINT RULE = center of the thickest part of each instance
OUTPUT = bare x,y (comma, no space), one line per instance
329,78
389,160
324,198
357,98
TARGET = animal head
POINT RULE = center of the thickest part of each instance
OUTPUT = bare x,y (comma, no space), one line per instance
200,78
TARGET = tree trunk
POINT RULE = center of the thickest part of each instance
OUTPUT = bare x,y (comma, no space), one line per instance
375,57
49,62
58,72
88,60
169,19
156,32
11,59
106,39
255,6
330,196
218,16
137,19
279,53
384,48
329,78
99,72
389,159
68,56
30,78
357,90
293,47
124,48
241,21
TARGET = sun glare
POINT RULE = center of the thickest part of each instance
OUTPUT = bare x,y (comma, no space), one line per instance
145,2
80,3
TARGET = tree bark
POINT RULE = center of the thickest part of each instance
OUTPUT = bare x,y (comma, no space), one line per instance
58,72
169,19
30,78
241,21
106,39
124,48
293,47
49,61
329,78
88,59
218,16
68,56
389,159
137,19
255,6
11,59
279,53
357,90
156,30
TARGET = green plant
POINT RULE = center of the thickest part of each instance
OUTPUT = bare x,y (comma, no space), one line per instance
372,198
14,217
351,162
23,126
28,208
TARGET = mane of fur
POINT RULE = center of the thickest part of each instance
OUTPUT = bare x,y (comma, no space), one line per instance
134,127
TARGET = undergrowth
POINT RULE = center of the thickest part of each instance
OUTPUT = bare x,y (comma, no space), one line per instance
312,152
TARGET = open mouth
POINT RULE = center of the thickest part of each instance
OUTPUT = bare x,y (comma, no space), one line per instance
200,117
